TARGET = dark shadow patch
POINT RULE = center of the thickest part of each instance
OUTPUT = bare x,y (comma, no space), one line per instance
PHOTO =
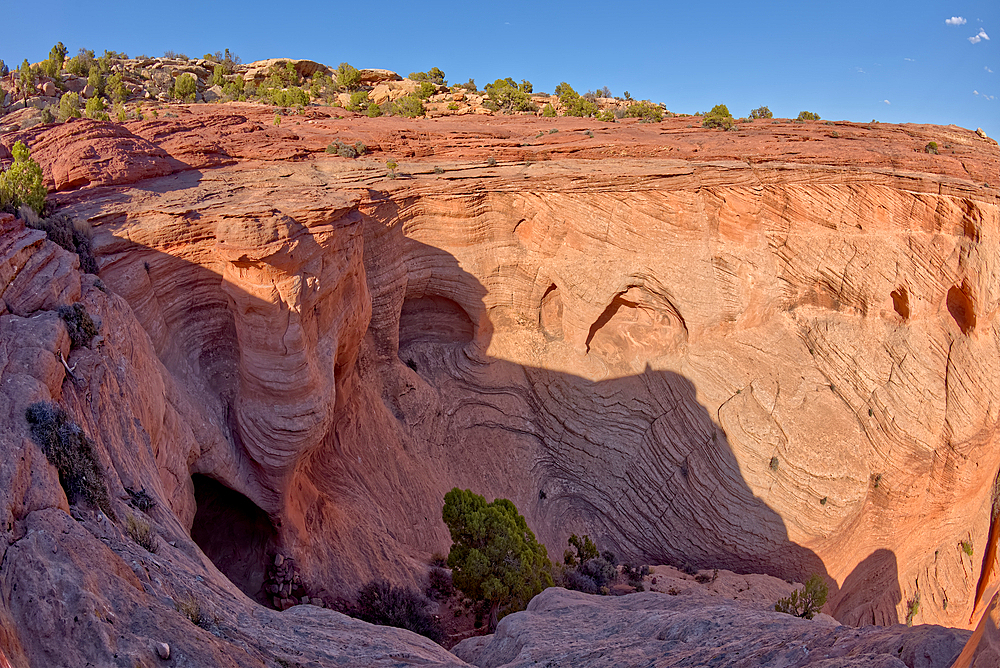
961,307
901,302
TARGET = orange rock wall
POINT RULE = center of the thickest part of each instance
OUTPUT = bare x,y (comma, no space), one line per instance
730,356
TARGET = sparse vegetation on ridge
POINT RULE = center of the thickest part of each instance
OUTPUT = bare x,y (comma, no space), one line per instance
718,117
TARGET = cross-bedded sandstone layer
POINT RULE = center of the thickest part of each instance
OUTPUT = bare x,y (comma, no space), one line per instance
769,350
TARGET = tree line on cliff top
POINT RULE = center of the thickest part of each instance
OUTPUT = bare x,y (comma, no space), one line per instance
114,80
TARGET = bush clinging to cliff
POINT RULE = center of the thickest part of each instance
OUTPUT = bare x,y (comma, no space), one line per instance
22,183
72,453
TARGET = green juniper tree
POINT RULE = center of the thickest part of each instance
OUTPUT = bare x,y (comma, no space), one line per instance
23,182
494,556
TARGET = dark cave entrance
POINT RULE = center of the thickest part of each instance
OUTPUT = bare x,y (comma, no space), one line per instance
235,534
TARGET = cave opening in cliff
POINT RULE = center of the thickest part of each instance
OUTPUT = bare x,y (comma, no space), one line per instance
234,533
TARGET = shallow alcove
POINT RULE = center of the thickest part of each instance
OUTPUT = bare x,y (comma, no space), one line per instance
550,313
961,308
234,533
434,319
901,302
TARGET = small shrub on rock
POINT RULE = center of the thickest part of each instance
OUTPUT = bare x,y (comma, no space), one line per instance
760,112
635,574
425,90
506,97
381,603
359,101
348,78
338,147
95,109
931,147
190,608
79,325
408,106
141,533
234,89
95,79
185,87
70,235
440,586
587,570
115,88
912,608
72,453
645,110
81,63
807,116
548,111
140,500
805,602
718,117
292,96
435,76
69,107
573,103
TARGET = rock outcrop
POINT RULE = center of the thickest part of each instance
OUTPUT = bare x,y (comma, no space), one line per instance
769,350
569,628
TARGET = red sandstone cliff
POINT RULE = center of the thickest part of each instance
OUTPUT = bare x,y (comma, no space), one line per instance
770,350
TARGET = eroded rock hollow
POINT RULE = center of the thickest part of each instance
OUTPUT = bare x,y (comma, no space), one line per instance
698,348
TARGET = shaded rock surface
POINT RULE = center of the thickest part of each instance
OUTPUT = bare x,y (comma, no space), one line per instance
564,628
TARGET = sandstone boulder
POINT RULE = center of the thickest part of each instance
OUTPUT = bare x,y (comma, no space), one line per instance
212,94
258,70
372,77
392,90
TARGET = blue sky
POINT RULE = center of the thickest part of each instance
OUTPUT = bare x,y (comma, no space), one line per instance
890,61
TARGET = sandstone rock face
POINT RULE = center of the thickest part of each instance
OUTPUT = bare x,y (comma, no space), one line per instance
712,348
570,628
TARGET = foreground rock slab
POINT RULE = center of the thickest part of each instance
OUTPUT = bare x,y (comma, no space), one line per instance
566,628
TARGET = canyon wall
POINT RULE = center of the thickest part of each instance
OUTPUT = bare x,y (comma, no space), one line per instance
702,348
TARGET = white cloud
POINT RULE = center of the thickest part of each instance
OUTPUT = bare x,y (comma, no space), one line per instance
911,60
987,68
975,92
887,101
976,39
956,21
